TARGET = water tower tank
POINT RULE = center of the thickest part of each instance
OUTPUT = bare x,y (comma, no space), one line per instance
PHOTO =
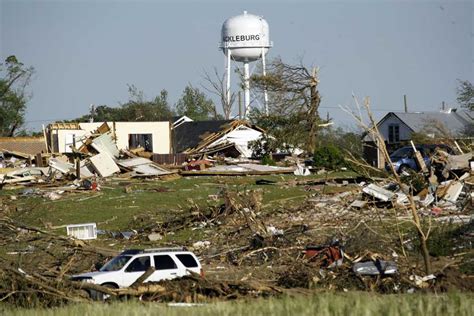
246,36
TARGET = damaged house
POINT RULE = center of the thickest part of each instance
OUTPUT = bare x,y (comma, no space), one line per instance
101,155
21,150
397,129
230,138
170,143
152,136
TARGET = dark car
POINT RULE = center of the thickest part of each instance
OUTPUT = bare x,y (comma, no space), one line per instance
403,158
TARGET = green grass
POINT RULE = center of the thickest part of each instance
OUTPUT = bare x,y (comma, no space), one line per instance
114,209
352,303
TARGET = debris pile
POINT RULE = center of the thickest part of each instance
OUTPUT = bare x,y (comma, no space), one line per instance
204,168
98,157
342,234
43,281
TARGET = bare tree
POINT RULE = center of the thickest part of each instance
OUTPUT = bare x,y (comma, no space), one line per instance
216,84
293,89
371,128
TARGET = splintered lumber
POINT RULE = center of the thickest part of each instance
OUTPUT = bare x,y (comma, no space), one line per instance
91,286
147,288
194,286
73,242
143,277
231,173
35,283
419,158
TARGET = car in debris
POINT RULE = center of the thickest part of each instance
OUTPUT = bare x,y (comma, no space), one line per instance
403,159
123,270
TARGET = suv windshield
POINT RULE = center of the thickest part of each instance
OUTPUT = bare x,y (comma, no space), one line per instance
115,264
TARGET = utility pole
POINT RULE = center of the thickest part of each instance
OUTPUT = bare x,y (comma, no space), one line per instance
240,107
92,110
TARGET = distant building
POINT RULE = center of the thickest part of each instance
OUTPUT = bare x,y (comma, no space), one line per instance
397,129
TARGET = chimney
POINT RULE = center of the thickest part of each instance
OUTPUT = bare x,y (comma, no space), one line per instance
405,102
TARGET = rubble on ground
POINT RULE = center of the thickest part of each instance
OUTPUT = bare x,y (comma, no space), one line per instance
344,235
98,158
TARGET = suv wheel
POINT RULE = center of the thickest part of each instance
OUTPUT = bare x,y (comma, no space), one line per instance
99,296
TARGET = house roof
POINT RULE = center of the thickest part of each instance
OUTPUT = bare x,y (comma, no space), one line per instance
24,145
190,134
193,136
454,121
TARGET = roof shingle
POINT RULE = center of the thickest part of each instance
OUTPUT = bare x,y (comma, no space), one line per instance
25,145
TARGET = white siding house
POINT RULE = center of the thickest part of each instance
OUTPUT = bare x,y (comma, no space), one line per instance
153,136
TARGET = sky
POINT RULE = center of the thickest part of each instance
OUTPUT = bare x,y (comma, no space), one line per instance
86,52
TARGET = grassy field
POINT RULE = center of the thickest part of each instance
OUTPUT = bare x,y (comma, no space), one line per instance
119,203
352,303
113,208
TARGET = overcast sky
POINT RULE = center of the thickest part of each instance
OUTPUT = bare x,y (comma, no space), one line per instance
88,51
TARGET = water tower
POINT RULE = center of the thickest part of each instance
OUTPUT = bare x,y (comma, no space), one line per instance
245,38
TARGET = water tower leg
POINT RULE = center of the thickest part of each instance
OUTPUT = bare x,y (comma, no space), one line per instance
228,68
264,72
246,89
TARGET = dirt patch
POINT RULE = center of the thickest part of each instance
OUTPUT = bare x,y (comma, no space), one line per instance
452,279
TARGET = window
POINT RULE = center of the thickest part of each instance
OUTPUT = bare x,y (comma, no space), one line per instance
116,263
140,140
164,262
139,265
187,260
394,133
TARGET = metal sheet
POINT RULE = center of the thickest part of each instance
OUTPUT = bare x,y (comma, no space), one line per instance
150,169
61,166
132,162
378,192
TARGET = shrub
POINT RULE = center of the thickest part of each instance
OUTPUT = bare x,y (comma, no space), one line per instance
267,160
328,156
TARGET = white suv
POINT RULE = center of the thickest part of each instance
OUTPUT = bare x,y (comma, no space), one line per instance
127,267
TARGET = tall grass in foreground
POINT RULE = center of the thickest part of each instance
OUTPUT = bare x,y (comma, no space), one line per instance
321,304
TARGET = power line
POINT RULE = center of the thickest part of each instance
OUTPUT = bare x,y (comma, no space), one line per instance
372,109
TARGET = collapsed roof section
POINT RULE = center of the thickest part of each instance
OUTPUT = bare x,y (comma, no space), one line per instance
101,141
25,146
214,137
